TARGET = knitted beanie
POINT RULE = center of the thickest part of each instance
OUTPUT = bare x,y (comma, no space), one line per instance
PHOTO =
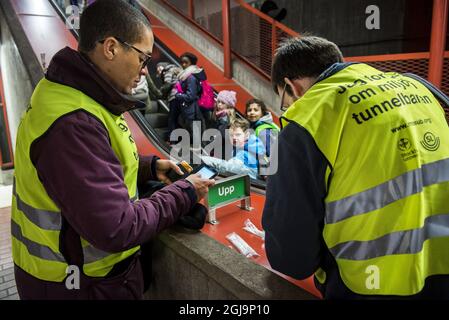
228,97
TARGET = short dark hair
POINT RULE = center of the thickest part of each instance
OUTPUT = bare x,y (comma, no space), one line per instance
303,57
192,58
110,18
260,103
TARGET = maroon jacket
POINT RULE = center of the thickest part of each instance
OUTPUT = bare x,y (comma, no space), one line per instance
79,170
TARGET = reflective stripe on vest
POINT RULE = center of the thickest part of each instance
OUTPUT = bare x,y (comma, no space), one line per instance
401,242
35,248
386,140
398,188
48,220
36,219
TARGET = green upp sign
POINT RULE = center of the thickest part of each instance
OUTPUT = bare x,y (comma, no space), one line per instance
227,191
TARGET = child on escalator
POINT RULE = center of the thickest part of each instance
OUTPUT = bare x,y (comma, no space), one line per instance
248,152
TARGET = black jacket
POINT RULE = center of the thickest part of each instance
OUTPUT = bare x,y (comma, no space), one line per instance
190,80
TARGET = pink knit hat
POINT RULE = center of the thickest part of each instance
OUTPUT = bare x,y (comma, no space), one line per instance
228,97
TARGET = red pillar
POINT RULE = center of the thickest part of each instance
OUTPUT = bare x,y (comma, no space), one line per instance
191,8
226,17
438,41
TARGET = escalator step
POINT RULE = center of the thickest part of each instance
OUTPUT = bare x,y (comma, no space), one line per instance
157,120
153,108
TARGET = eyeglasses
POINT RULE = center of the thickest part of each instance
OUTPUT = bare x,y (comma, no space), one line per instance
282,107
143,61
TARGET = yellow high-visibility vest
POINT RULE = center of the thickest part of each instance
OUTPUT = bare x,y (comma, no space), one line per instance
36,219
386,140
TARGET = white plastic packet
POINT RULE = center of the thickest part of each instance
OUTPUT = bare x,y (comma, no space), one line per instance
241,245
251,228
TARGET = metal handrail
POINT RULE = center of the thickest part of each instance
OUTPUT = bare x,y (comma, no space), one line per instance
220,42
183,15
394,57
276,25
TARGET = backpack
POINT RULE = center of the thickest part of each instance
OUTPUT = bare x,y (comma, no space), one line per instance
207,98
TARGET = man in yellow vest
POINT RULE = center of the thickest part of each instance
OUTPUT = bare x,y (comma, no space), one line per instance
77,221
360,198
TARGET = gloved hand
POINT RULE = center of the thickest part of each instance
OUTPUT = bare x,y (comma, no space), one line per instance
195,218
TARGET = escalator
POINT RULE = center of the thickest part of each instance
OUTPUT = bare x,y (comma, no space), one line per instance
157,118
153,121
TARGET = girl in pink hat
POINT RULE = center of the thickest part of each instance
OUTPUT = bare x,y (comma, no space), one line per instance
224,111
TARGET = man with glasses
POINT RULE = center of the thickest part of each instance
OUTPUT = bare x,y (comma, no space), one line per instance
359,200
77,220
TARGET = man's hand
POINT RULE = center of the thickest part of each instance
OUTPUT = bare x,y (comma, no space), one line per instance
163,167
201,185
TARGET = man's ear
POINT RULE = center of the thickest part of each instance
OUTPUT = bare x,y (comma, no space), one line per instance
110,48
296,87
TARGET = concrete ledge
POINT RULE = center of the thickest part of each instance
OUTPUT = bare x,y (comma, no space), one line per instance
21,70
190,265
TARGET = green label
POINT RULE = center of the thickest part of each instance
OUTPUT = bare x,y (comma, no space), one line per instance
227,192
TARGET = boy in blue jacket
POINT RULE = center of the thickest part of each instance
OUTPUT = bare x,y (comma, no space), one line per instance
248,151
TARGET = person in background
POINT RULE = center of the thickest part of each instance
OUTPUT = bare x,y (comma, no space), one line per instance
224,111
189,92
262,123
168,73
145,92
222,116
247,150
77,168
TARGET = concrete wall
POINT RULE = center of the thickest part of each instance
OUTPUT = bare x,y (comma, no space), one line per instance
19,78
404,24
189,33
190,265
242,74
16,82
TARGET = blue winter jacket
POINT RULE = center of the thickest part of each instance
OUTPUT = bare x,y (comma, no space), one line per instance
245,160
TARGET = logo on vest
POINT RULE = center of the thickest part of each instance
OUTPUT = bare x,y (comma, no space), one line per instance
404,144
430,142
406,149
